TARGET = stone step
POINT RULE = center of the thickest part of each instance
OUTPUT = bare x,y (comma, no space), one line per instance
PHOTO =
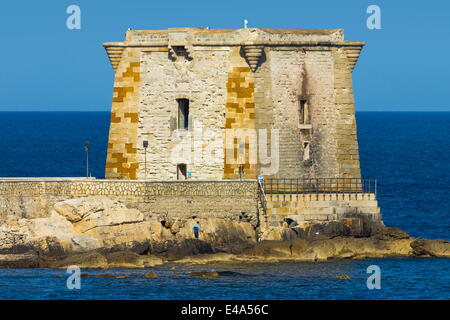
322,204
277,219
323,210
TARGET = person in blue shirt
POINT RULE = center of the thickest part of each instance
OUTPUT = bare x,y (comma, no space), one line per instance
196,229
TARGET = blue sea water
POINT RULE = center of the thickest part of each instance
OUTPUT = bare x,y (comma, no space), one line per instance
401,278
409,154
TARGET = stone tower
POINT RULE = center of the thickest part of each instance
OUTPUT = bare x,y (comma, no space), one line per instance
192,89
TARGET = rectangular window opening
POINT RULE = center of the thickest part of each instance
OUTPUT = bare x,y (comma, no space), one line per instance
183,113
304,112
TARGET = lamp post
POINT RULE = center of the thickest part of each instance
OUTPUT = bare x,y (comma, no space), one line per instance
145,145
241,160
87,144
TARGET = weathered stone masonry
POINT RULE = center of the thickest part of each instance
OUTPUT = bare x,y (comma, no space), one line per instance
122,144
226,199
234,79
32,198
295,81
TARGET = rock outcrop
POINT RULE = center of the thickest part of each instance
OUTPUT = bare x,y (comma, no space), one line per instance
102,227
19,260
48,235
431,248
223,235
204,274
150,275
128,259
98,260
336,248
78,225
177,249
90,260
110,222
358,226
99,233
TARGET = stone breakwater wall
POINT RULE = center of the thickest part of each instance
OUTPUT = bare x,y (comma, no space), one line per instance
159,200
230,199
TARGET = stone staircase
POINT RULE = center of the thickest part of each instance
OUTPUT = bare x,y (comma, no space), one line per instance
319,207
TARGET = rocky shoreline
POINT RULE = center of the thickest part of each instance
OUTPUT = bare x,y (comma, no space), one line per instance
100,233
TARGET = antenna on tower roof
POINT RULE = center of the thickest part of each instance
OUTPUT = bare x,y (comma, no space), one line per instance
245,23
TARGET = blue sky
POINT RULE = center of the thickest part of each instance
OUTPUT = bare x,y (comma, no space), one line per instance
405,66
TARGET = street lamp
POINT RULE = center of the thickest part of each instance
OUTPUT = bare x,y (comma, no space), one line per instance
87,144
145,144
241,160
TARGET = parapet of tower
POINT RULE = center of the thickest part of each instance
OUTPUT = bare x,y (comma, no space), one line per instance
294,83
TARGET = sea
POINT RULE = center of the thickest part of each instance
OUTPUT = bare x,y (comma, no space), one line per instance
407,152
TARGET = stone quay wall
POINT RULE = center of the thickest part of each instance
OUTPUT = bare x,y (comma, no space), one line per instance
228,199
224,199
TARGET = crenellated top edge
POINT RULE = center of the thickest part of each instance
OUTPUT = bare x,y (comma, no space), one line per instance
188,38
205,36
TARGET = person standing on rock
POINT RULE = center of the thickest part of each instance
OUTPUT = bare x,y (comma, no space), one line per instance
196,229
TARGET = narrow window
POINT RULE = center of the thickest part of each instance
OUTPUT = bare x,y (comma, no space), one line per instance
183,113
306,150
181,171
304,112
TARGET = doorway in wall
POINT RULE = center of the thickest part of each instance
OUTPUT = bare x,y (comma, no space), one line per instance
181,171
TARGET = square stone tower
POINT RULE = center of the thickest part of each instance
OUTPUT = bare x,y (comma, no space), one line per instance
233,103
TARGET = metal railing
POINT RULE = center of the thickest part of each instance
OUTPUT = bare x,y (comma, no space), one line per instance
319,185
262,195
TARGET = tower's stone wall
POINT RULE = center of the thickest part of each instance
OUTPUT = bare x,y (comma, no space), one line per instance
347,154
122,160
245,79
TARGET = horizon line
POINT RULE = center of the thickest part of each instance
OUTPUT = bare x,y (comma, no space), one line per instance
356,110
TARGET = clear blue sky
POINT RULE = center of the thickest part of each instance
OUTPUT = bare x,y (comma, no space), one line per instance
405,66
